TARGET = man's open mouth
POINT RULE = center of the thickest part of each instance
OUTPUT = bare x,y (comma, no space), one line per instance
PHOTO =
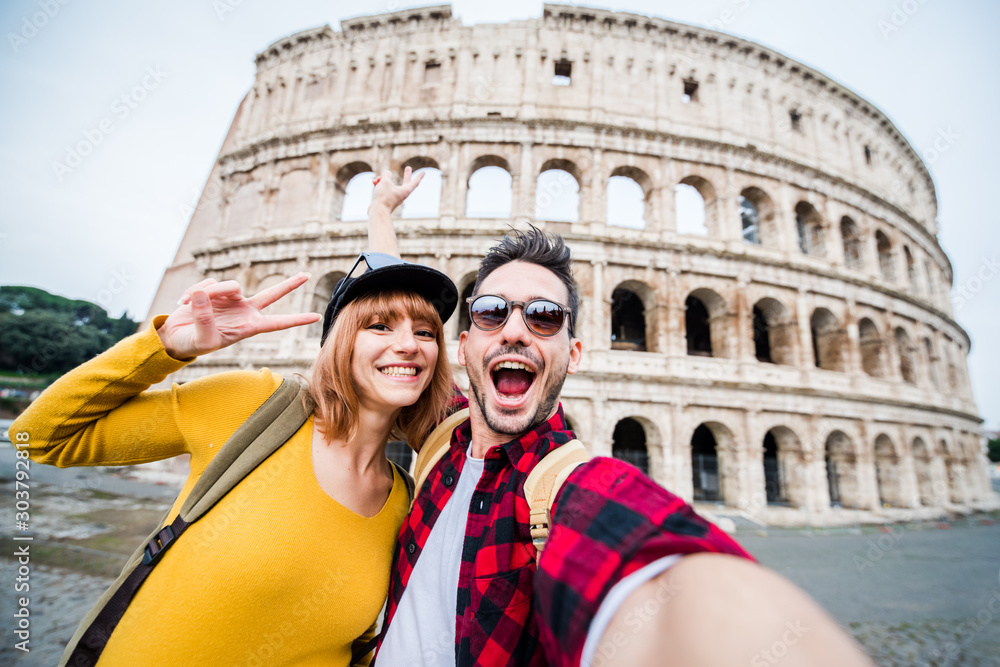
512,379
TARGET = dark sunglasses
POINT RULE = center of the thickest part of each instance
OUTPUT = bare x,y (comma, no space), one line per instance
490,312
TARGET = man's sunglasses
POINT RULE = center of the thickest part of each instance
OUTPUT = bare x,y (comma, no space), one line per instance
490,312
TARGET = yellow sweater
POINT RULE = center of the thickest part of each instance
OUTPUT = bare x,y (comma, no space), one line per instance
276,573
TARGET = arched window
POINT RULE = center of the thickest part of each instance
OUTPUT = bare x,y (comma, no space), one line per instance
871,348
911,270
809,225
774,332
626,203
925,476
885,263
463,308
698,327
690,209
756,213
696,207
705,465
628,321
774,483
841,472
557,196
425,201
829,341
932,365
905,352
851,238
490,193
751,221
357,197
887,471
630,444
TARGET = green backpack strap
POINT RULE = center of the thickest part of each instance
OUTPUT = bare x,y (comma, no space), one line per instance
434,447
543,485
269,427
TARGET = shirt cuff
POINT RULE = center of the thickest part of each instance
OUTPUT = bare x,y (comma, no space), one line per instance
615,598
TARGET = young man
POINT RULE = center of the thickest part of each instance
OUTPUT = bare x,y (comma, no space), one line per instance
629,574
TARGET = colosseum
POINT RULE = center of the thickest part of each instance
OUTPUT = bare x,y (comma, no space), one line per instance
766,317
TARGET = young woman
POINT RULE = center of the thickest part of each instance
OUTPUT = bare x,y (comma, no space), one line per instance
292,565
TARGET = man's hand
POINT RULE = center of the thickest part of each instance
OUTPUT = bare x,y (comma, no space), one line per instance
215,315
386,197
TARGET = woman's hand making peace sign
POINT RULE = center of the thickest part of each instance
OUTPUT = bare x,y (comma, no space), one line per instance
215,315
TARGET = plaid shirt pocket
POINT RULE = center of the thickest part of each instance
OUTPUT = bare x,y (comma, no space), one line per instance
502,603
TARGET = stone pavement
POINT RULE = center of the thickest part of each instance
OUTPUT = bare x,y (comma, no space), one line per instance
923,594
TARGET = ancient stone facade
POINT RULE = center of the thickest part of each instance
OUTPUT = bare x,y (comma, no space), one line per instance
765,318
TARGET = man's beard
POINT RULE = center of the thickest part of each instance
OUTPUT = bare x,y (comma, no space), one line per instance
507,426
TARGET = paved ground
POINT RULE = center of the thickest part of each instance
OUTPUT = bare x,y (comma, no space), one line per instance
918,595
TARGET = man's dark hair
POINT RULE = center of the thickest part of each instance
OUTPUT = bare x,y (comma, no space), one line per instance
535,247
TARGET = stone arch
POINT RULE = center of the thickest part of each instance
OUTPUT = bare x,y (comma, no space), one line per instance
628,197
712,444
784,473
888,472
850,236
774,332
885,260
904,351
630,443
923,464
490,192
872,348
842,470
296,195
757,216
829,341
630,328
557,191
244,209
911,270
697,207
353,191
425,201
809,230
321,298
706,323
931,363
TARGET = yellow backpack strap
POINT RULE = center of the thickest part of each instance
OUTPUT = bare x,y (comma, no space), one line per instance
434,448
544,482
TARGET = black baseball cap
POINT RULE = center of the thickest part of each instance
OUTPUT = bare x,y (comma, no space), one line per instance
378,272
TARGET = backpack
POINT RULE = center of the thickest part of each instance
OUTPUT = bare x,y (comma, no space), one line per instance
267,429
540,488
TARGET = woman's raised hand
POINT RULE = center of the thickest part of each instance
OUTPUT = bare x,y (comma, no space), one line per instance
214,315
388,195
385,198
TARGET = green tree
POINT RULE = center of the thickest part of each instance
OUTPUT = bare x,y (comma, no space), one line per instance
42,333
994,450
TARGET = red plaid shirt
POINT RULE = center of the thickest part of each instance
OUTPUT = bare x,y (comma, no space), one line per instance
504,610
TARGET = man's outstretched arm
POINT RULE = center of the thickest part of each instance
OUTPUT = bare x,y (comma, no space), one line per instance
716,609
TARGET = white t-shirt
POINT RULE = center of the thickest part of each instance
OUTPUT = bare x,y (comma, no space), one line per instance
422,633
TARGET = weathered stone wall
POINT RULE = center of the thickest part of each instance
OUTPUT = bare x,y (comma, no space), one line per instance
825,339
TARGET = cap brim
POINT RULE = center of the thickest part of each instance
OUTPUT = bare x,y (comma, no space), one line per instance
428,282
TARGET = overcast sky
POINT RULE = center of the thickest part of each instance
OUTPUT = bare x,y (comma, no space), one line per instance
154,87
